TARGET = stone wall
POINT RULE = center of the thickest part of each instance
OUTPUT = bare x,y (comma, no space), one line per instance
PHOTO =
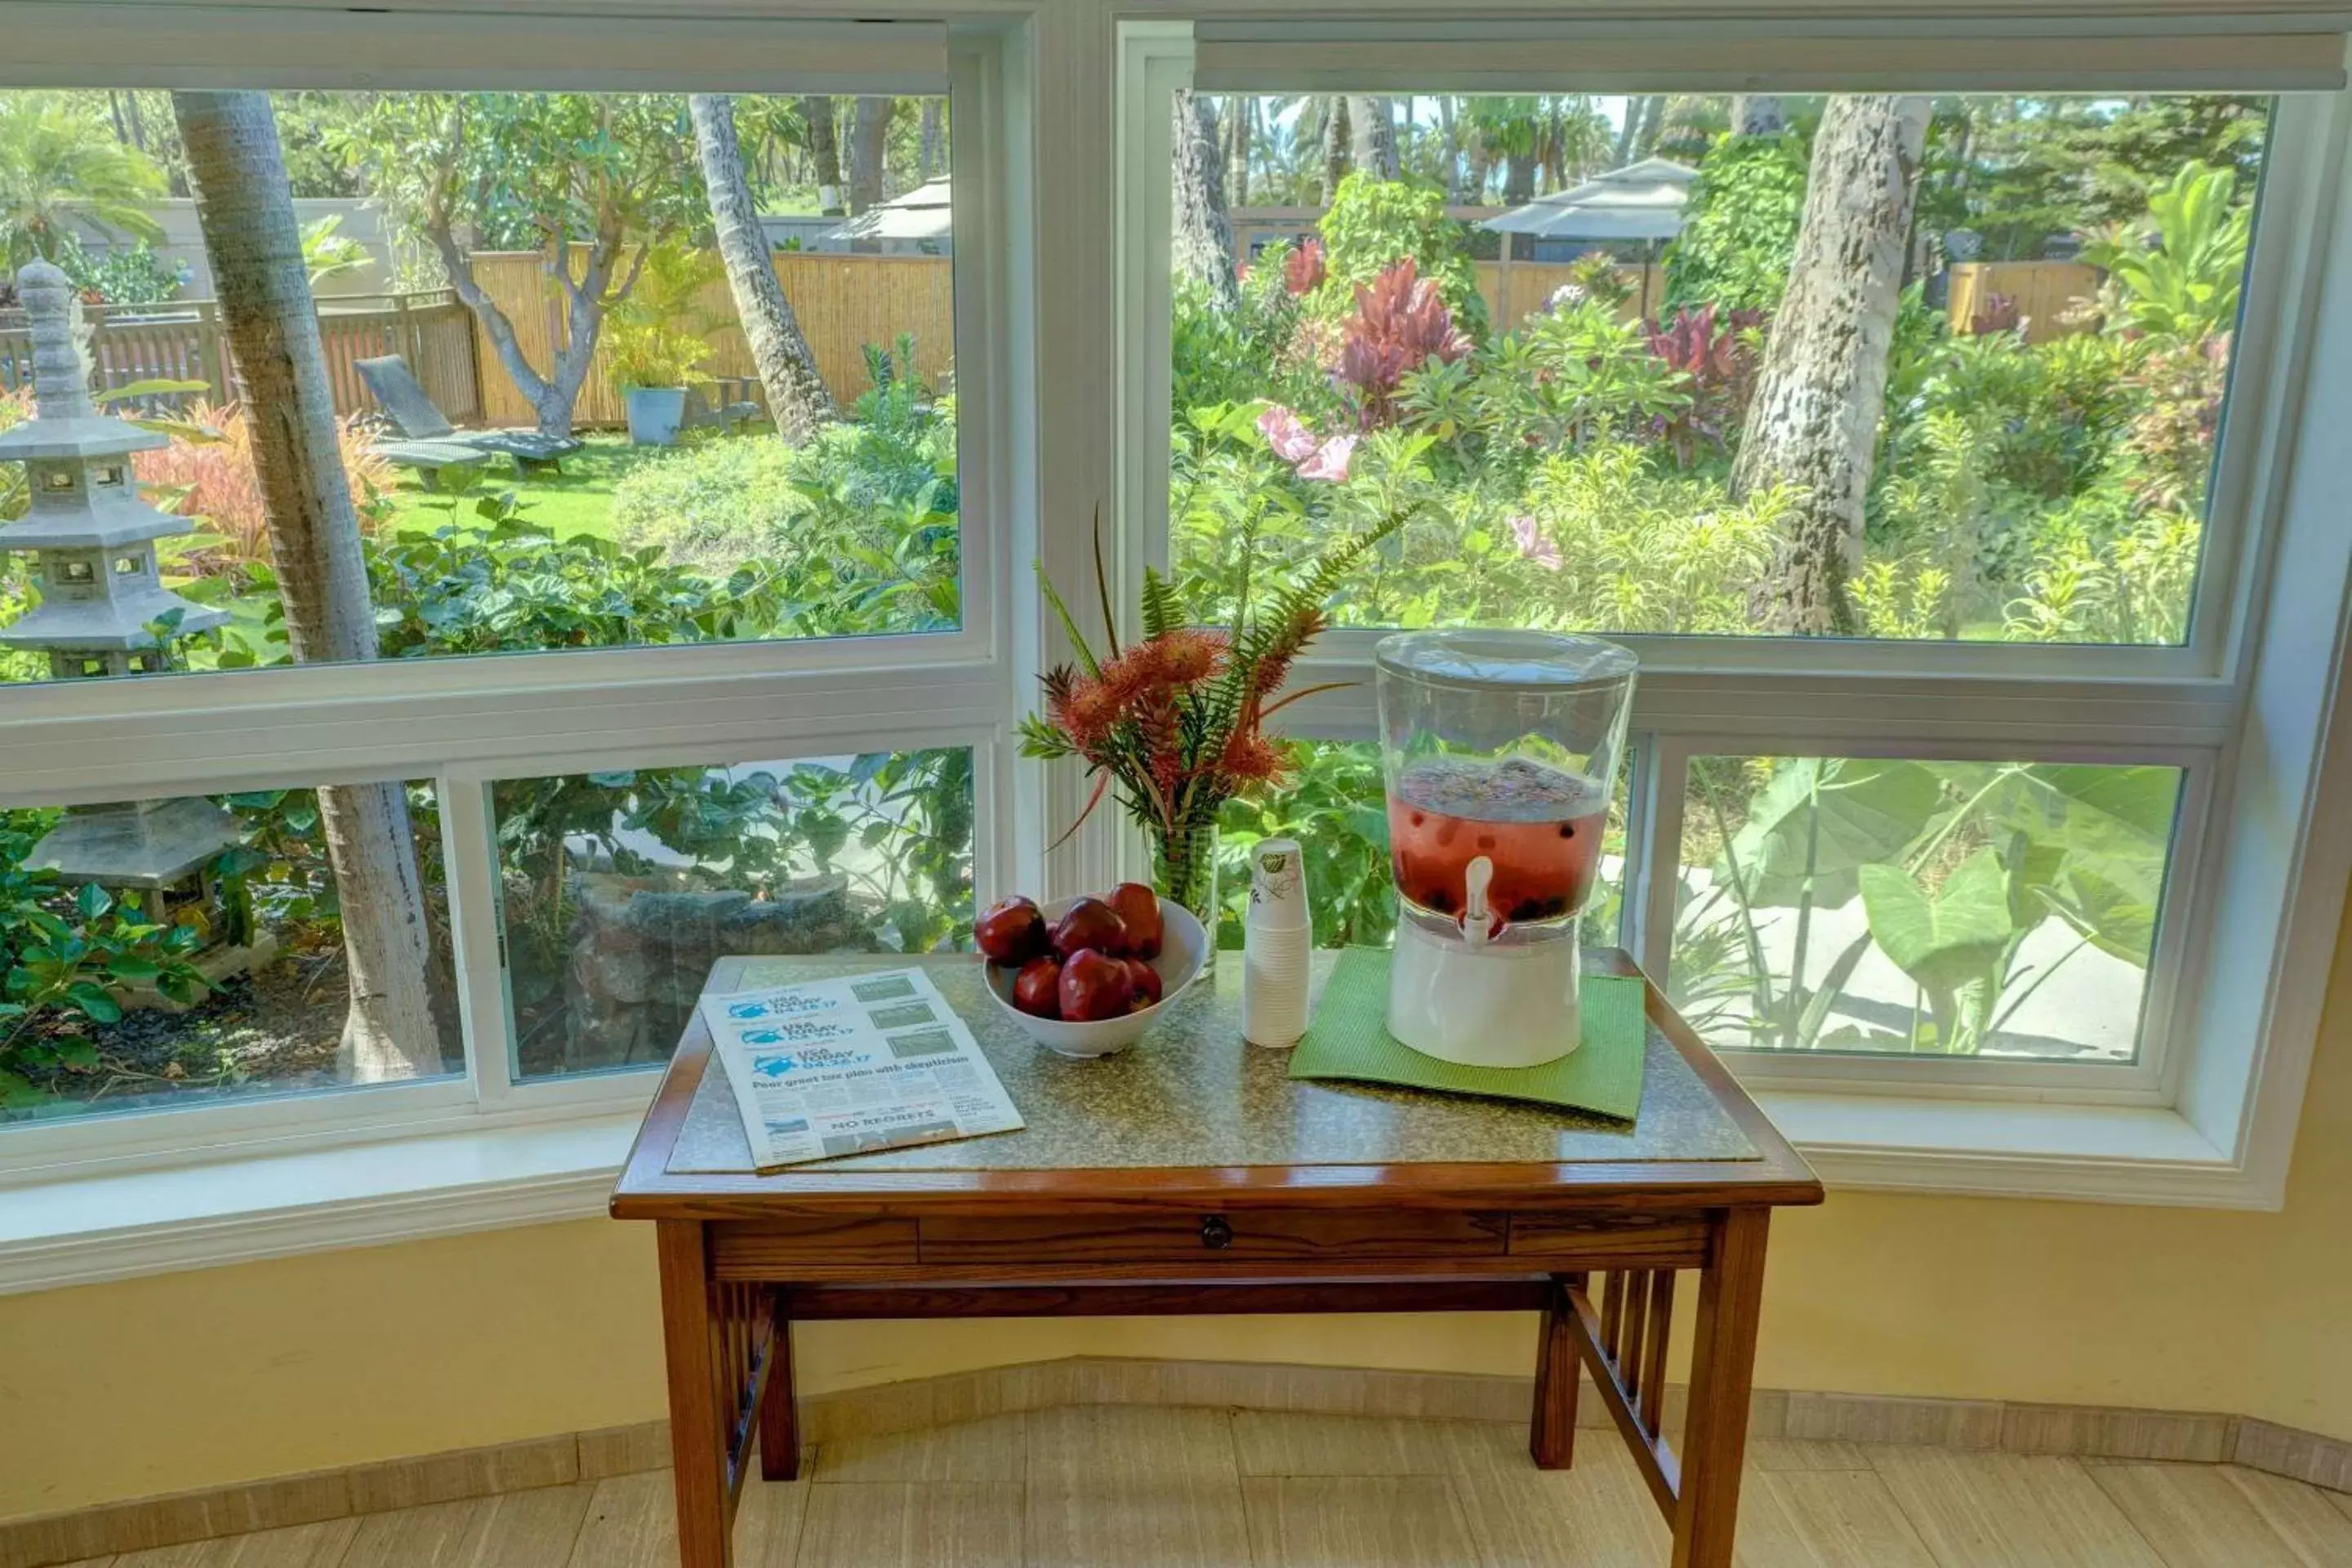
642,946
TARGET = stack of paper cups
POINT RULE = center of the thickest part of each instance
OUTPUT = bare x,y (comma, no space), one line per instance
1277,939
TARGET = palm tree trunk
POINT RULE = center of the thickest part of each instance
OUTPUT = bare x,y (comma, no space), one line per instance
1336,144
932,149
1240,132
1814,425
824,154
1204,235
247,216
1372,134
869,140
797,398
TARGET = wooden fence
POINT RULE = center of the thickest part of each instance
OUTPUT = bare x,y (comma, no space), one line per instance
1518,290
2038,294
184,342
843,301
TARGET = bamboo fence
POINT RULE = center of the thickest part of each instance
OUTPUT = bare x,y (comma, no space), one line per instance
2040,292
843,301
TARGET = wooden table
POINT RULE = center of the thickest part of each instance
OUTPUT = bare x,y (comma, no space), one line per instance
1191,1176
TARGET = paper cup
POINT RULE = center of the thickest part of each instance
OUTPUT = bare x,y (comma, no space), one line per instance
1277,886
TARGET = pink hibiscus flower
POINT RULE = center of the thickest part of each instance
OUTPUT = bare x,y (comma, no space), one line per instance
1330,460
1292,441
1533,543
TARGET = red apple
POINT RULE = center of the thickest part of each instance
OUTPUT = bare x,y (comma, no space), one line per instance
1092,923
1145,988
1037,989
1012,930
1095,986
1138,908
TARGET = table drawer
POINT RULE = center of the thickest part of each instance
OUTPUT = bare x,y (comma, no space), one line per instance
1576,1240
1198,1235
812,1247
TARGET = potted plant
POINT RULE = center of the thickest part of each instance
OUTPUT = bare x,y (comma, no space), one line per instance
650,364
656,341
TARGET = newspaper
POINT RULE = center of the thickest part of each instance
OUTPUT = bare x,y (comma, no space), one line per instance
851,1065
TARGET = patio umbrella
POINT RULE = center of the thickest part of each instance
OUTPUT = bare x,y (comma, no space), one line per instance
1641,201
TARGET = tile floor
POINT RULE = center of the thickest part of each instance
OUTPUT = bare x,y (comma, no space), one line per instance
1133,1487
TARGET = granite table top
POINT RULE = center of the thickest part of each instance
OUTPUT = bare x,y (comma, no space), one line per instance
1193,1094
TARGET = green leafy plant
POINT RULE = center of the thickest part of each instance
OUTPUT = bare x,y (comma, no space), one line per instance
1953,865
656,336
64,953
1739,228
2177,271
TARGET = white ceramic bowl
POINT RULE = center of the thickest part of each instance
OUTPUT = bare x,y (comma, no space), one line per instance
1183,947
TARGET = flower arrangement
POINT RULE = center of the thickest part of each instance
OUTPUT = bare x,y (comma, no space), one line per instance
1176,719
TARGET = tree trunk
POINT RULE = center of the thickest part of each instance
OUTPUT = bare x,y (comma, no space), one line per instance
797,398
825,155
238,172
931,147
1814,425
1335,140
1453,135
1204,236
1372,134
1519,177
1241,130
1758,114
869,140
1639,111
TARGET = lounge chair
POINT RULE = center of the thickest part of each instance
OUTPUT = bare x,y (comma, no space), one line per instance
404,402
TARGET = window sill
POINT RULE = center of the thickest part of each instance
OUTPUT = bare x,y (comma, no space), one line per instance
2084,1153
90,1229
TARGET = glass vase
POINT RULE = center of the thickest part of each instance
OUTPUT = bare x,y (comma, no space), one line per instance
1184,871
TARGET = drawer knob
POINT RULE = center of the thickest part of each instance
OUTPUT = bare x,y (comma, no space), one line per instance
1215,1234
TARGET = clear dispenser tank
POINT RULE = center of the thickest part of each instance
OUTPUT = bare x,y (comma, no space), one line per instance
1500,750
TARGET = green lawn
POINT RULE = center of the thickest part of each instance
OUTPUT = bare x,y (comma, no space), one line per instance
578,500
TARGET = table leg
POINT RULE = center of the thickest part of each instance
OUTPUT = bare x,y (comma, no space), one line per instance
1723,1372
780,1426
698,1428
1551,1436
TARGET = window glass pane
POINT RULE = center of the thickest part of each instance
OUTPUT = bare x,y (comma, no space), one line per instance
535,459
1978,909
1336,807
1876,365
623,888
191,950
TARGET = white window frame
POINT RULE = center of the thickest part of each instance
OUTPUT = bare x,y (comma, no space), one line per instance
463,723
2205,1114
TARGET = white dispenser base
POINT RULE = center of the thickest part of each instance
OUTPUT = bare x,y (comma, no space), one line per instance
1492,1004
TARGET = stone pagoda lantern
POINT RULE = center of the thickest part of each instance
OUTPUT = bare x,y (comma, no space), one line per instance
93,542
93,539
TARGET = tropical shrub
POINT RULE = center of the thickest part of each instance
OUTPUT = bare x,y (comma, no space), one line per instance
207,473
1740,227
133,275
2176,273
710,504
1372,223
63,953
1954,866
1400,324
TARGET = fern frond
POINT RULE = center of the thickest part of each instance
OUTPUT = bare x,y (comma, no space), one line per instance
1162,613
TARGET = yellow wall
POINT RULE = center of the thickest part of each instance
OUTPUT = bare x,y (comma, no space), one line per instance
200,1379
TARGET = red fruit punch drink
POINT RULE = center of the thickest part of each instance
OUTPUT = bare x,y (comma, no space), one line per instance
1538,826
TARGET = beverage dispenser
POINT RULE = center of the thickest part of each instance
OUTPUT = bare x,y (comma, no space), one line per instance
1500,751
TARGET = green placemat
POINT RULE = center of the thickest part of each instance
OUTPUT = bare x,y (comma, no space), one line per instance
1349,1038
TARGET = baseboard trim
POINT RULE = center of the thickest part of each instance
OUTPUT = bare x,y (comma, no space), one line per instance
2085,1431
